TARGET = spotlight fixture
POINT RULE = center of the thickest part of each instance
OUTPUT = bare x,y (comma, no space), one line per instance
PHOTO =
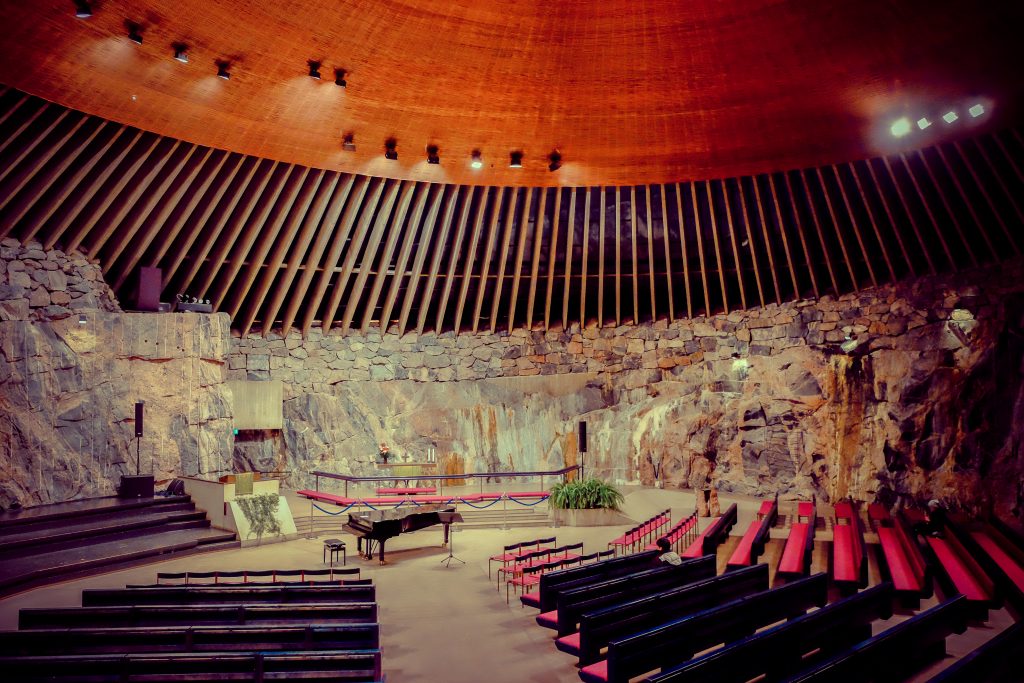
976,110
339,78
950,117
900,127
923,123
515,159
134,32
222,70
391,149
181,52
82,9
478,160
348,142
314,69
556,161
82,319
433,154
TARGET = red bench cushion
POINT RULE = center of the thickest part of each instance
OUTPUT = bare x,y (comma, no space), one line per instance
766,507
998,553
844,556
531,599
804,509
741,556
959,570
878,513
596,672
901,568
548,619
844,510
570,643
696,548
792,561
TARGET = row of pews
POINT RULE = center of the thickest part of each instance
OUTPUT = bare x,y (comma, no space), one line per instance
170,633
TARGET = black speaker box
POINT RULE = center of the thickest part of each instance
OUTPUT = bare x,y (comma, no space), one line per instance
150,284
582,437
139,410
136,486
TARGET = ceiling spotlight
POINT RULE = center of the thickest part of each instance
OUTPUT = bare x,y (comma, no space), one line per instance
433,154
976,111
950,117
477,160
348,142
314,69
923,123
222,70
339,78
515,159
82,319
556,161
181,52
134,32
82,9
900,127
391,149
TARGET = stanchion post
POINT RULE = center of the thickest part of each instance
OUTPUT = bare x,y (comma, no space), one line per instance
504,510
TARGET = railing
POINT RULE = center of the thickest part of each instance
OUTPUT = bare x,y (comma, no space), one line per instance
439,478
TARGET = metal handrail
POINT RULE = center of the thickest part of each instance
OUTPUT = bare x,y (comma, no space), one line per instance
443,477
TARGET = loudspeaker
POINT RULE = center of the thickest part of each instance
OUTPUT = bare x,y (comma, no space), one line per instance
581,437
139,407
150,284
136,486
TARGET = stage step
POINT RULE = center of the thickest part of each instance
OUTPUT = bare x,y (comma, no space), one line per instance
92,509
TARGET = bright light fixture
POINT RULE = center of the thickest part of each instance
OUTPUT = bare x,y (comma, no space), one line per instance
923,123
950,117
477,161
900,127
976,111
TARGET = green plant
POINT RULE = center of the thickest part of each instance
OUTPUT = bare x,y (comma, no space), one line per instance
260,511
589,494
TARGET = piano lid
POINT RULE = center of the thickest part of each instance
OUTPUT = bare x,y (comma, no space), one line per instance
399,513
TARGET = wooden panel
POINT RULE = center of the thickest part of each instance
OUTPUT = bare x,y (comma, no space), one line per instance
383,262
700,249
435,263
668,255
485,264
476,231
718,252
538,240
425,243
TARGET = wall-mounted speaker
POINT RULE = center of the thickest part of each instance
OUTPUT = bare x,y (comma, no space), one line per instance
581,437
150,284
139,410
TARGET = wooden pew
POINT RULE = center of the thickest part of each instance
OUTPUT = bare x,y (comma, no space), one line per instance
600,627
796,554
849,554
707,543
256,576
66,641
751,546
191,595
996,660
897,652
1002,559
343,665
780,650
960,572
169,615
553,582
573,603
901,560
676,641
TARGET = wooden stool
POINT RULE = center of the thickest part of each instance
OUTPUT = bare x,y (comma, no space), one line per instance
334,546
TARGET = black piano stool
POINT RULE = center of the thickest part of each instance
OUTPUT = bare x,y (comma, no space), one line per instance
335,546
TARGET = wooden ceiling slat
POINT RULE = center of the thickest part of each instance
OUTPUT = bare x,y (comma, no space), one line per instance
821,236
700,249
25,126
538,242
874,223
837,229
682,244
453,259
506,245
785,238
552,257
524,227
650,254
888,212
618,256
485,263
1011,159
856,228
435,263
668,254
350,197
583,259
979,224
474,243
394,231
426,243
372,238
767,241
199,225
570,235
24,99
949,210
907,212
1010,196
803,237
10,165
928,210
718,251
411,239
600,266
735,248
155,226
266,269
988,198
301,258
239,213
50,150
636,257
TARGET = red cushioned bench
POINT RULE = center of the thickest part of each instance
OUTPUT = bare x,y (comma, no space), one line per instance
849,570
742,555
878,514
752,544
962,573
796,554
1009,558
412,491
903,562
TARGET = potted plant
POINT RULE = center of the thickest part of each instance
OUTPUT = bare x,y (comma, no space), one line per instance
384,452
590,502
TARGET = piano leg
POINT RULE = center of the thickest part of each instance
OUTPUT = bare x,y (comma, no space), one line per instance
380,556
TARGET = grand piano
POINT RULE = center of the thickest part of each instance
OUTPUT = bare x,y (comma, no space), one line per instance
380,525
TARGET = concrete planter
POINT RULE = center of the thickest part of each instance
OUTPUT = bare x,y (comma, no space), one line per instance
596,517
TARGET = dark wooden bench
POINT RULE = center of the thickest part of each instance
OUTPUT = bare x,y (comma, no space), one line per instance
751,546
901,560
959,572
63,641
260,576
849,554
897,652
169,615
600,627
342,665
707,542
191,595
796,553
676,641
781,650
997,551
996,660
564,579
572,604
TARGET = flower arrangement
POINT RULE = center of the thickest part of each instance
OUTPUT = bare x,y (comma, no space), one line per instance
384,452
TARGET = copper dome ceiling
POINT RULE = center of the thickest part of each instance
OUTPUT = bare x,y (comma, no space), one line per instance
647,91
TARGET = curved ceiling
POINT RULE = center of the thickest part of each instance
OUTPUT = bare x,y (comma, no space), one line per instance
645,91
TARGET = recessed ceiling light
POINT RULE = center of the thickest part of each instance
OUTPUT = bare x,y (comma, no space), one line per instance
391,149
976,110
556,161
339,78
348,142
314,69
478,161
222,70
923,123
900,127
82,9
515,159
134,32
181,53
433,154
950,117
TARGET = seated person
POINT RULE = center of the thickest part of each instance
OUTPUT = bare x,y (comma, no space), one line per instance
667,554
936,521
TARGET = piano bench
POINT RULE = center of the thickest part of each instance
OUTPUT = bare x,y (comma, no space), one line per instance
335,546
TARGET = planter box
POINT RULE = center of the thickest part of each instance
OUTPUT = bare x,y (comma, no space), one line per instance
598,517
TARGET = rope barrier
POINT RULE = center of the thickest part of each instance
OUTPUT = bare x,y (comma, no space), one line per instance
480,507
334,514
537,502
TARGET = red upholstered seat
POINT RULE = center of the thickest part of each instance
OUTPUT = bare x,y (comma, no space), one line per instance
965,574
844,555
844,510
548,619
327,497
595,673
878,513
1013,569
741,555
569,643
901,568
531,599
804,509
766,507
792,561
